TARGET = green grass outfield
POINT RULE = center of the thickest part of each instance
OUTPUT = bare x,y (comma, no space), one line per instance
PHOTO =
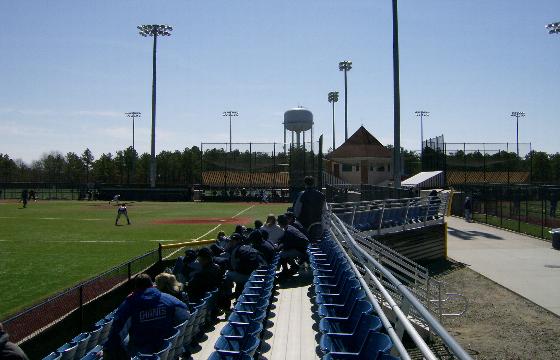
52,245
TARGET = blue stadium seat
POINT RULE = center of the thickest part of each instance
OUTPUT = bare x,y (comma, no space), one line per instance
344,312
82,341
352,294
330,289
349,325
163,353
180,341
388,357
94,338
239,330
343,346
106,327
247,345
217,356
260,304
53,356
94,354
174,339
189,329
67,351
247,316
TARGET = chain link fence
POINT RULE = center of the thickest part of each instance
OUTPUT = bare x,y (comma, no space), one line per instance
529,209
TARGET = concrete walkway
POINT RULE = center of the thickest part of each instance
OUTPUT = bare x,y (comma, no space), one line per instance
525,265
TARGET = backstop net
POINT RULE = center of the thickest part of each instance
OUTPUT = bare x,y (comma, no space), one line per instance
256,171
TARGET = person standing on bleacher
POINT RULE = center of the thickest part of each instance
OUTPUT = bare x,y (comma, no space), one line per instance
147,316
308,209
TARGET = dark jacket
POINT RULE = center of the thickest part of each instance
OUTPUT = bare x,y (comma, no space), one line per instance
308,207
207,279
293,239
245,259
266,249
9,350
147,317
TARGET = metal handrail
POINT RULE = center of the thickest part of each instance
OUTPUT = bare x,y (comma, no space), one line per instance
432,322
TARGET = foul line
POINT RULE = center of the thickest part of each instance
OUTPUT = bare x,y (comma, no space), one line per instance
198,238
242,211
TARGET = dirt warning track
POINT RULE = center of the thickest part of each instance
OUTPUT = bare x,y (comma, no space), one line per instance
198,221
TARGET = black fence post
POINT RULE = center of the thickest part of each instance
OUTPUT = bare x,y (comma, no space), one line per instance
129,269
160,253
81,291
542,214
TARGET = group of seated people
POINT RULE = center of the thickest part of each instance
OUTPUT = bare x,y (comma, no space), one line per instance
148,314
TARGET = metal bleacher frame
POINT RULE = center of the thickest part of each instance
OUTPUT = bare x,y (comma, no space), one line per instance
387,292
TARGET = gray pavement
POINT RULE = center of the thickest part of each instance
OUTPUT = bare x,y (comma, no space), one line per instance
525,265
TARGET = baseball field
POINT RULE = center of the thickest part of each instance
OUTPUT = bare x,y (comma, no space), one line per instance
51,245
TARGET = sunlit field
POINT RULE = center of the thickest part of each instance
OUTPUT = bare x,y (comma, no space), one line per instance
52,245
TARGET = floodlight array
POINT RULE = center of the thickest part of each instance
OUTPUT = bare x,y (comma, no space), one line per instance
517,114
553,28
345,65
422,113
230,113
155,30
333,96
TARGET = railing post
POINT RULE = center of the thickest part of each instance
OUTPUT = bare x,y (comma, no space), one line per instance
81,310
129,268
160,252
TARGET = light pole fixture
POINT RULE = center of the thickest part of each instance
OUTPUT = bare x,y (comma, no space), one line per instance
517,115
333,97
154,31
345,66
422,113
553,28
230,114
133,115
396,101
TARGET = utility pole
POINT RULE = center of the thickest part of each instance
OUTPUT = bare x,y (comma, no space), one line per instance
396,100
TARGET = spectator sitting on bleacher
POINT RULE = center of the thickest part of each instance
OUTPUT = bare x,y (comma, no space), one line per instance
259,241
186,266
147,316
208,278
292,245
9,350
273,230
244,259
294,222
258,224
168,284
222,240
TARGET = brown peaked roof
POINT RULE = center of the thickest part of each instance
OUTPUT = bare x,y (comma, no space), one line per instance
360,144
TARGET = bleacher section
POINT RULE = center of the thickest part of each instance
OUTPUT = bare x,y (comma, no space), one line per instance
349,326
387,216
88,345
245,179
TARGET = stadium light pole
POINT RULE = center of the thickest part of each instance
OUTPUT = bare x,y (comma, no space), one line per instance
553,28
422,113
396,101
517,115
154,31
333,97
345,66
133,115
230,114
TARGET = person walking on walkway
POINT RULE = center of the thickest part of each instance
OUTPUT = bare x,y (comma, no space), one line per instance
468,209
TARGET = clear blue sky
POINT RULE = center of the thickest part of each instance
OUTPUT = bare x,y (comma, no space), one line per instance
71,68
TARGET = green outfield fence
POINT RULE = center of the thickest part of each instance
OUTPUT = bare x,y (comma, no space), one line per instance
43,191
529,209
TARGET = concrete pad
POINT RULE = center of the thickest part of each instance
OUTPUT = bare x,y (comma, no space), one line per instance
523,264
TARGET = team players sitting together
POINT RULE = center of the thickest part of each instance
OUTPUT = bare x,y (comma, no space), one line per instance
150,312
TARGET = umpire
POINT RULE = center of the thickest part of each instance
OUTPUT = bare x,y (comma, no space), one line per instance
309,207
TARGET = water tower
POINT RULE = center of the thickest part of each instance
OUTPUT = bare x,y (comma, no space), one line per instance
298,120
